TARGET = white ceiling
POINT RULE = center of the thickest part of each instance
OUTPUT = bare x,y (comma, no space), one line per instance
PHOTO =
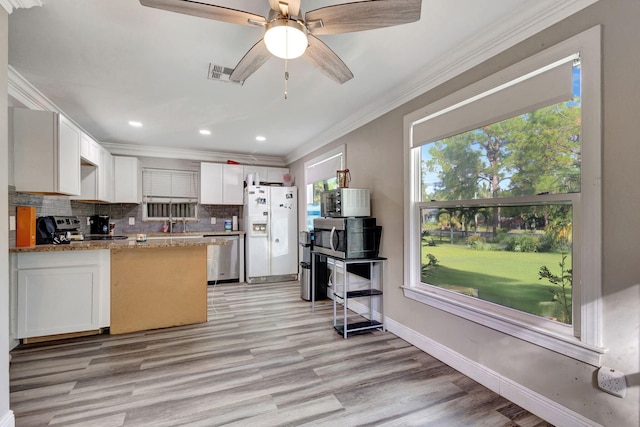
104,63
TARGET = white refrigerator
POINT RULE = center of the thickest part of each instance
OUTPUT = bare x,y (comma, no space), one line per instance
271,246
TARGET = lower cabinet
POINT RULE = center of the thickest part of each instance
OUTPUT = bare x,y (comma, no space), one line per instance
61,292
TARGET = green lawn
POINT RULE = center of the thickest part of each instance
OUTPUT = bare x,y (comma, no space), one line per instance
505,278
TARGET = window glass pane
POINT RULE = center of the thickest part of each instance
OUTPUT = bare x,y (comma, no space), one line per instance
534,153
515,256
313,198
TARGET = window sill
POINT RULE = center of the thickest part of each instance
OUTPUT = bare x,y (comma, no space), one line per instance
552,340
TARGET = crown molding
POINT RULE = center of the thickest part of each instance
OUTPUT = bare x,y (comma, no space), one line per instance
516,27
25,93
9,5
190,154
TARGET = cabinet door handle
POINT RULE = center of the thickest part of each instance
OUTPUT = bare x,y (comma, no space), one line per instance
333,232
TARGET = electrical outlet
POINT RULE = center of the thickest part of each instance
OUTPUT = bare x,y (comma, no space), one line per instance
612,381
213,220
88,220
12,223
132,220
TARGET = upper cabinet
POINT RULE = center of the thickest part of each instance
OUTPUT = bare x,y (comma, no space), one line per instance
96,172
89,150
265,174
105,176
127,180
46,153
221,184
276,175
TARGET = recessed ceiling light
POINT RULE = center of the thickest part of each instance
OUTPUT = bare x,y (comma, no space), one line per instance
135,124
205,132
260,138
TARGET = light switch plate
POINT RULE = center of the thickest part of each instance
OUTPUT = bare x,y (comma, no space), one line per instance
213,220
132,220
12,223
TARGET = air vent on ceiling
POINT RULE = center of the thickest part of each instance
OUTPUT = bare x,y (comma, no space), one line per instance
220,73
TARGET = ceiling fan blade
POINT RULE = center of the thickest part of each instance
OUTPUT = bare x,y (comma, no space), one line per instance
364,15
204,10
250,62
321,56
286,7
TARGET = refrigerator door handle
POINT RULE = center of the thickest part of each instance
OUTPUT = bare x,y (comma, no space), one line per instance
333,232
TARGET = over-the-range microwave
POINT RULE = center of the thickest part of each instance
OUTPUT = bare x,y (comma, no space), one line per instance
347,238
345,202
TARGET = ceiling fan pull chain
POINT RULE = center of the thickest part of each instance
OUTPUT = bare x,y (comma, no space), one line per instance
286,77
286,60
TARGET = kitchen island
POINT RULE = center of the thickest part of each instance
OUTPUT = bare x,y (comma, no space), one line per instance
117,285
159,287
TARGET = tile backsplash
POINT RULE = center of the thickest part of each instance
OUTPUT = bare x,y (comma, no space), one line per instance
119,214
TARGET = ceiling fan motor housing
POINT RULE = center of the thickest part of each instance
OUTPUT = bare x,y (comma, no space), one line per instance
286,38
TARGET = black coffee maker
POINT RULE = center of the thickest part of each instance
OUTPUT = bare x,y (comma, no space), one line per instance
99,224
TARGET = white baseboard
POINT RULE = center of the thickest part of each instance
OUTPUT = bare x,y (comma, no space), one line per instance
8,419
531,401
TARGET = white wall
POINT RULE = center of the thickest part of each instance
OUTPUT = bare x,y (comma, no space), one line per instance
374,154
6,416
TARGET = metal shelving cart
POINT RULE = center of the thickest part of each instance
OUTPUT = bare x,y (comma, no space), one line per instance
366,286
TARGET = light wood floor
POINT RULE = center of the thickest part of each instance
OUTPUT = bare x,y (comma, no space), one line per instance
263,359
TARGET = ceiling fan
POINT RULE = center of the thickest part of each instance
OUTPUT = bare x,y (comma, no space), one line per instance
288,35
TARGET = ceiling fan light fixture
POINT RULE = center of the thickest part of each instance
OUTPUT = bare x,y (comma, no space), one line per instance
286,38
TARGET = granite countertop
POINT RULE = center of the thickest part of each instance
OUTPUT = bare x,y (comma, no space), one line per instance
154,240
196,233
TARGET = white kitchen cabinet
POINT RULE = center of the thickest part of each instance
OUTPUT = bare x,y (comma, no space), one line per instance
46,153
210,183
221,184
89,150
97,182
88,183
276,175
127,180
266,174
105,176
259,173
62,292
232,185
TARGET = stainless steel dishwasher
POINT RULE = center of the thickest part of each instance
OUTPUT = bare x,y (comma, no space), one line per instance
223,261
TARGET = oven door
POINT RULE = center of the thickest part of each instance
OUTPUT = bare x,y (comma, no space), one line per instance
329,237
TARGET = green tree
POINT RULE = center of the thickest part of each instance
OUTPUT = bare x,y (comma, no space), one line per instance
458,166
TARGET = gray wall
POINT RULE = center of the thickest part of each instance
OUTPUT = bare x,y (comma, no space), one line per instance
375,159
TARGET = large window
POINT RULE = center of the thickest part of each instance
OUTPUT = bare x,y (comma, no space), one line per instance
503,212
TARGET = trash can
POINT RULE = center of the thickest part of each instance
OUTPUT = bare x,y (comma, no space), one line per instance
305,240
305,280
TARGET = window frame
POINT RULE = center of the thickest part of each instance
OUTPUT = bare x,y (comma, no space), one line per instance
583,340
178,196
338,153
